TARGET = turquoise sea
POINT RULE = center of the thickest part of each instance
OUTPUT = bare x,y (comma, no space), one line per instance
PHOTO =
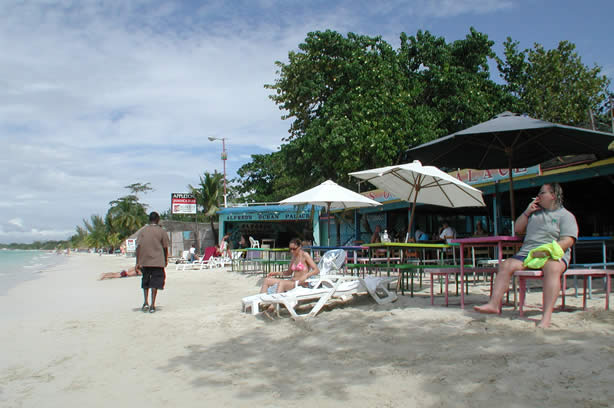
17,266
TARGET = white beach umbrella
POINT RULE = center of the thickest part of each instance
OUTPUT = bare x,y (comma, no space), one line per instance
416,183
332,196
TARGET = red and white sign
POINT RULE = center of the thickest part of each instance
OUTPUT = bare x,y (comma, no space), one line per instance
183,203
131,245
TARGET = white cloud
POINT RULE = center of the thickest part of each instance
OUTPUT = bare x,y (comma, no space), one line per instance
96,95
18,222
452,8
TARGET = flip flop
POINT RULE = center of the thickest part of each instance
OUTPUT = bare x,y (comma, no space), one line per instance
152,309
145,307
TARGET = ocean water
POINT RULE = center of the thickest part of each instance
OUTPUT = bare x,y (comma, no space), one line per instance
17,266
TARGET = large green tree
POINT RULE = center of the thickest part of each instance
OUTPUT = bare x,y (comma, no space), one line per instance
265,179
453,79
348,100
355,102
553,85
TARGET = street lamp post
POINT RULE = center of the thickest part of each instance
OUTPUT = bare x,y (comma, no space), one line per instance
224,157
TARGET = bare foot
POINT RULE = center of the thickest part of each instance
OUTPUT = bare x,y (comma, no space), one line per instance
543,325
487,309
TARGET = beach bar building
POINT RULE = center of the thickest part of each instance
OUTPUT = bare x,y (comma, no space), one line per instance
272,226
588,186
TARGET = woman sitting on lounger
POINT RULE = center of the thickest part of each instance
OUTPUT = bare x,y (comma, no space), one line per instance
300,269
130,272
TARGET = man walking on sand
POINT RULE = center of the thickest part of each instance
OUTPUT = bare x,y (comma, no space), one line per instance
152,257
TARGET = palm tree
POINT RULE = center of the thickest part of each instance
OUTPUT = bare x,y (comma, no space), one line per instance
97,232
208,195
114,240
78,240
126,215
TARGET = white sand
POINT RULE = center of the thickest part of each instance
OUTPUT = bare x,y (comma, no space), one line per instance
69,340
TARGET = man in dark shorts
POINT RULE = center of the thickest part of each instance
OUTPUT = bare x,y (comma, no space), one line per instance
152,257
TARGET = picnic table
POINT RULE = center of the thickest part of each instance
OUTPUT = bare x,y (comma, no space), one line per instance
498,241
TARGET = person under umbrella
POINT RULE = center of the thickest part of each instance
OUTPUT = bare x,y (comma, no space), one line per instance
545,220
330,195
416,183
513,141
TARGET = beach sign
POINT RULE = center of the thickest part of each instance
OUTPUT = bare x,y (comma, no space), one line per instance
131,245
183,203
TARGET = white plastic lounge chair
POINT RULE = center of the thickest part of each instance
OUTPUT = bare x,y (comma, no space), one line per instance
200,264
181,262
344,288
331,262
325,287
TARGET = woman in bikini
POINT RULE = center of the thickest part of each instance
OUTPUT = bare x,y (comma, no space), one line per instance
300,269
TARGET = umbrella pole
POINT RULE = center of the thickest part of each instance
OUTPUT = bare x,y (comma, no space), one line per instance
328,217
413,211
512,201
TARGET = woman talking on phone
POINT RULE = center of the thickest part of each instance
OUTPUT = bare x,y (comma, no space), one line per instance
545,220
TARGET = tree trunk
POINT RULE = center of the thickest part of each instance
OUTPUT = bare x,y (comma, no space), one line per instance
214,231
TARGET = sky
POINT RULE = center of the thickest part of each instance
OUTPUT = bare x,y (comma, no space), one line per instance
97,95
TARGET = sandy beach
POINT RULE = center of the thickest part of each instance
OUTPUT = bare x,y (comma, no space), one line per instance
71,340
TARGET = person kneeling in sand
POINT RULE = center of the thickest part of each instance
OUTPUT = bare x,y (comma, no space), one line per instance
134,271
545,220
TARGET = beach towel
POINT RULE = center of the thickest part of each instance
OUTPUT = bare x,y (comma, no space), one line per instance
553,250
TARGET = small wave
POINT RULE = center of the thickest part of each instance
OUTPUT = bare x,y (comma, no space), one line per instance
38,265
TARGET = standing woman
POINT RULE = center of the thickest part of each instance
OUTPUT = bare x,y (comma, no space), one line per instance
300,269
225,246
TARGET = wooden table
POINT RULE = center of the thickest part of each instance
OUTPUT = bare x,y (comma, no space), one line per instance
498,241
587,242
319,249
401,246
268,252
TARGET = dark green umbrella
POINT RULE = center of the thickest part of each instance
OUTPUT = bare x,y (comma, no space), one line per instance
511,141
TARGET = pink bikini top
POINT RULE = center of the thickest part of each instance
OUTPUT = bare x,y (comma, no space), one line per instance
298,267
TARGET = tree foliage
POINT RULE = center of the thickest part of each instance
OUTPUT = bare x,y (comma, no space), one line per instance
137,188
209,194
355,103
125,216
97,232
455,86
553,85
265,179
